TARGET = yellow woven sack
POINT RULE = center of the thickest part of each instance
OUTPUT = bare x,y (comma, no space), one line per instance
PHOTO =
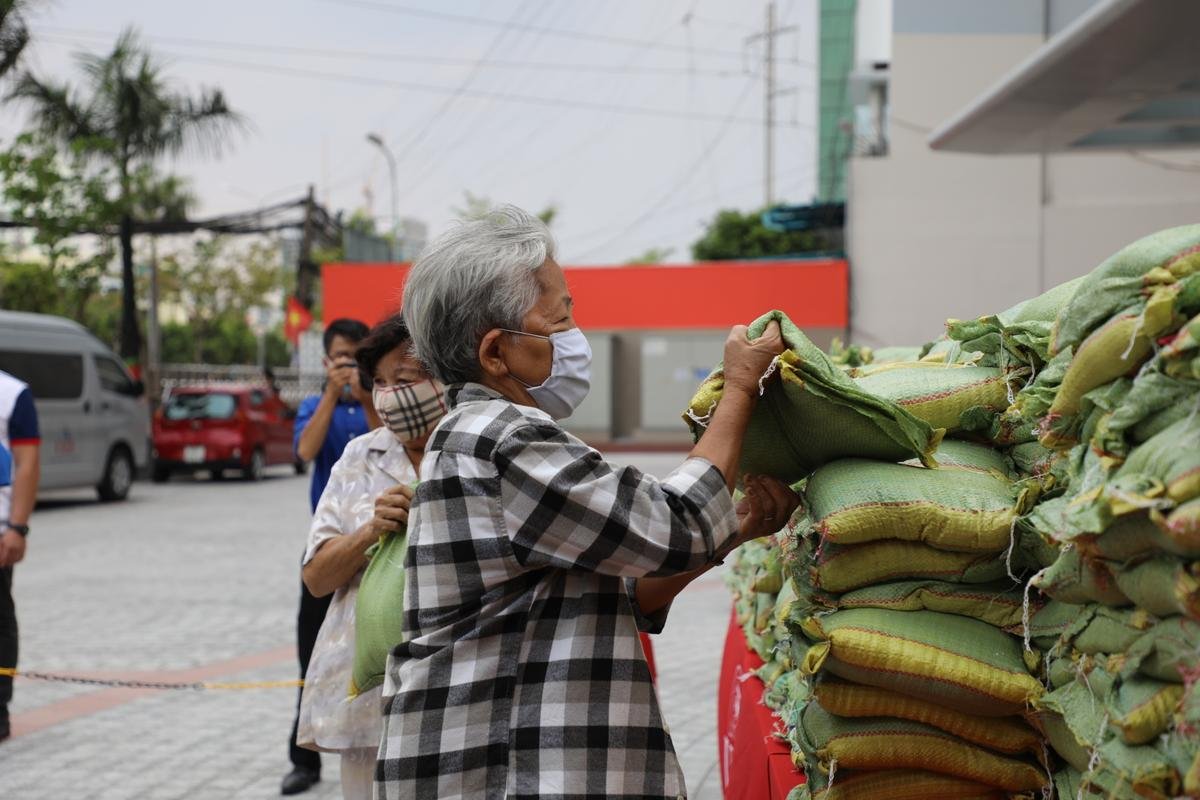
946,659
878,743
1004,734
904,784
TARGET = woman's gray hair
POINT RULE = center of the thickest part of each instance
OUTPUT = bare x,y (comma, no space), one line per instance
480,275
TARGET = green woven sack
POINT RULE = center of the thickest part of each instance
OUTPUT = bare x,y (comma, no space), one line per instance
1074,579
1066,629
955,453
1131,273
1171,457
940,395
378,611
813,414
837,569
1163,586
998,604
1165,651
1137,536
942,658
1154,402
1020,335
853,501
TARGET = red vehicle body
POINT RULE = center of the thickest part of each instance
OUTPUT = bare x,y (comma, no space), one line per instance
219,427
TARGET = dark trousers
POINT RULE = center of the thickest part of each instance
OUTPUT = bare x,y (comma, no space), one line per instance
8,637
308,624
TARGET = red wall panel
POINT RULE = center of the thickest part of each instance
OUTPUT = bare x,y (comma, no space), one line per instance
813,294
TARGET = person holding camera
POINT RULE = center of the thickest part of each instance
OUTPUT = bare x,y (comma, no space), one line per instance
325,424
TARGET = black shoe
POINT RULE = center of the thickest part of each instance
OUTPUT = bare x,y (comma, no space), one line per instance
5,730
300,779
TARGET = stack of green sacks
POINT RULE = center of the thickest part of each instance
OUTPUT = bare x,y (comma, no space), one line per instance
888,613
1111,424
959,616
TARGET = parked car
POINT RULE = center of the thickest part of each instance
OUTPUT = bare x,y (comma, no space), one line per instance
94,419
217,427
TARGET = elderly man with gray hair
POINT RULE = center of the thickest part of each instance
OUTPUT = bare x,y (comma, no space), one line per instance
533,563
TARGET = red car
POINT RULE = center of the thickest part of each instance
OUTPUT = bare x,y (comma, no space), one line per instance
220,427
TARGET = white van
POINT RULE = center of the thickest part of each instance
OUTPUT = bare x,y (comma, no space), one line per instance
93,417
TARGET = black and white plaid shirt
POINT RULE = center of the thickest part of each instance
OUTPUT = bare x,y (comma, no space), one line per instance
522,675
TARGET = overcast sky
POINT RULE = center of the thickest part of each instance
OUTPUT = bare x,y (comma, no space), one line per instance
637,144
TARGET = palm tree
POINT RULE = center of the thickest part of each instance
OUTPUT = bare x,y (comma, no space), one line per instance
14,33
129,115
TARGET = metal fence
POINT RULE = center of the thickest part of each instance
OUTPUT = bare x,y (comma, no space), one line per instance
292,384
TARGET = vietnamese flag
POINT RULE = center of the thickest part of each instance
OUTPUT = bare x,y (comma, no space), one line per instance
297,319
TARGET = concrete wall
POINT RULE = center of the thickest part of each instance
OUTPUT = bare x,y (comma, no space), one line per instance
937,235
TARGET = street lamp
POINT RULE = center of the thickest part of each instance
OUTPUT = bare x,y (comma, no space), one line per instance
377,140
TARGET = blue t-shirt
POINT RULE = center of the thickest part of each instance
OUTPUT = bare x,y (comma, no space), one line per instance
348,422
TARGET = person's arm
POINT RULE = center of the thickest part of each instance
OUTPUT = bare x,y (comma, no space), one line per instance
312,429
25,440
745,363
767,501
339,558
565,507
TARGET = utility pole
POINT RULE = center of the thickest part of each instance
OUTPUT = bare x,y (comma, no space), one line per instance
769,94
305,266
769,104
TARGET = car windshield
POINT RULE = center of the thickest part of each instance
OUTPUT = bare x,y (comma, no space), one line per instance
200,406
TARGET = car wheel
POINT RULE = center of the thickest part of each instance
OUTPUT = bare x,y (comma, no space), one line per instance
300,467
254,470
160,473
118,475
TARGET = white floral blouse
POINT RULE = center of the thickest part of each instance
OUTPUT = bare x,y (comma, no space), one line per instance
329,718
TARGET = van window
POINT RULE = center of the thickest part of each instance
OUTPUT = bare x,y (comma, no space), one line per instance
51,376
113,376
200,406
257,398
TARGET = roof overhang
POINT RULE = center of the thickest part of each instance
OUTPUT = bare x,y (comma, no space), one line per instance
1125,75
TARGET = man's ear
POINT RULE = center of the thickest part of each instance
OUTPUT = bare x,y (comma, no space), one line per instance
491,354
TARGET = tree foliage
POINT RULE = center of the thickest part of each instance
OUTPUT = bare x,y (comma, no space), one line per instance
126,115
736,234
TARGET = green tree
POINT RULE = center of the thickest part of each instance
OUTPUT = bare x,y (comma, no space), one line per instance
127,116
58,197
14,33
214,287
652,255
736,234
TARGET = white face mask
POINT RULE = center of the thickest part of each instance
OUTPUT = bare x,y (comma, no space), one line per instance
570,373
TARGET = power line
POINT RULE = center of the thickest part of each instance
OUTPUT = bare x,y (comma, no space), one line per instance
586,36
686,176
61,34
365,80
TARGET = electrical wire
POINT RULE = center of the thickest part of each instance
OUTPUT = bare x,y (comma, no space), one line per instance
685,177
85,35
512,97
586,36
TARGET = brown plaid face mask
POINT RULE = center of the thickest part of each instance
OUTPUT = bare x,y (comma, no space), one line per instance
410,410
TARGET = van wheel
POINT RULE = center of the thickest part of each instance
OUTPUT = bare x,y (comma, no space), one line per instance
118,475
254,470
160,474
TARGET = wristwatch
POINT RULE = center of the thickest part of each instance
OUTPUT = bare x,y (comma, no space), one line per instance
12,526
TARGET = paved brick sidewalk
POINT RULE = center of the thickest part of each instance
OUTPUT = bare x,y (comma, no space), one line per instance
195,578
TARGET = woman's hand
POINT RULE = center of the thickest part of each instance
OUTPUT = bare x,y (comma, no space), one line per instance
766,507
746,361
391,510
